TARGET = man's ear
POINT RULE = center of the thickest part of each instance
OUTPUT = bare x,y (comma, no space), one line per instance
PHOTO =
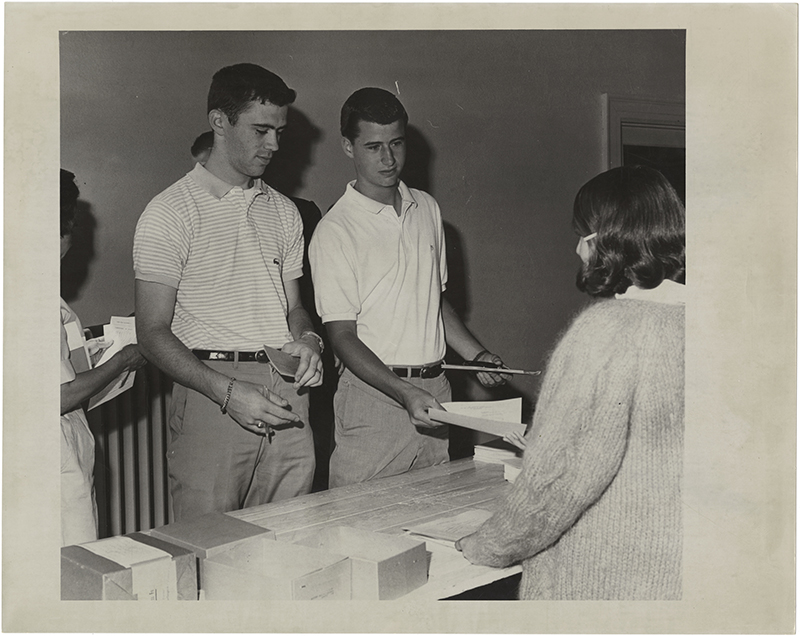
347,146
217,120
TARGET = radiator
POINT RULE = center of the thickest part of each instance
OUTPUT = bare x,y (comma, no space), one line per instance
130,475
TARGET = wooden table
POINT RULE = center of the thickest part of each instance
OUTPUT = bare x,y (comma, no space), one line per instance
386,505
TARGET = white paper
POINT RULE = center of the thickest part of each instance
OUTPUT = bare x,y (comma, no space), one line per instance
498,410
499,417
121,331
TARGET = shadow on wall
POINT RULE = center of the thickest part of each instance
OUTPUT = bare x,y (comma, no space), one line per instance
75,264
465,386
419,161
286,171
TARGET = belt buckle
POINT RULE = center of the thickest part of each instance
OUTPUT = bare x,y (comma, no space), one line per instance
431,371
261,356
219,355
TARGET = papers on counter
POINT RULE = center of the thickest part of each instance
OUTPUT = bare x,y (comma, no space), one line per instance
497,417
499,452
448,530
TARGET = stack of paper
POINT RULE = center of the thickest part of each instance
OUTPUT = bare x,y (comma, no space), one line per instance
495,452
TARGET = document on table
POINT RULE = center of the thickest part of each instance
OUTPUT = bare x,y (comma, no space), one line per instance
497,417
122,331
448,530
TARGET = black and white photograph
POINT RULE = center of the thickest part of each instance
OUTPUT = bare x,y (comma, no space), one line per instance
409,303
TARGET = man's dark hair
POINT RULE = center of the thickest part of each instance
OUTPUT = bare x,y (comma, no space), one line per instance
234,87
640,224
69,201
203,142
373,105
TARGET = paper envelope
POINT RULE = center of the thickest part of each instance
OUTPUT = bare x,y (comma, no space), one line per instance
285,364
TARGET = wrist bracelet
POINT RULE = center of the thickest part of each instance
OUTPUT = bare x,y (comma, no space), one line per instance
224,407
479,354
317,337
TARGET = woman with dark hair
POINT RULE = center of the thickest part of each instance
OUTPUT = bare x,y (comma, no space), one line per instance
79,382
596,511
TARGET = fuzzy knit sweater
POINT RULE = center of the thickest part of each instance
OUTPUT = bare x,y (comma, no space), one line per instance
596,511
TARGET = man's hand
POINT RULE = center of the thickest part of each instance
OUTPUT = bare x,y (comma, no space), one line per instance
309,371
417,402
491,379
256,408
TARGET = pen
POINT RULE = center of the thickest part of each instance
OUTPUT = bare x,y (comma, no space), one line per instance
489,369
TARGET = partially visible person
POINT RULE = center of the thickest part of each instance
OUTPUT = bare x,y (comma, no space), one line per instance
595,513
217,259
201,148
379,268
78,505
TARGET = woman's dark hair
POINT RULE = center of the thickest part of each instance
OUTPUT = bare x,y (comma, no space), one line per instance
234,87
69,201
374,105
640,224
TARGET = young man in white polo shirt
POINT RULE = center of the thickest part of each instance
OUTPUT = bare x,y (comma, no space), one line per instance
379,268
217,257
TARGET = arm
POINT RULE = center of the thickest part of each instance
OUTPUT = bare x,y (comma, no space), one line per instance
248,404
86,384
309,371
467,346
581,420
366,365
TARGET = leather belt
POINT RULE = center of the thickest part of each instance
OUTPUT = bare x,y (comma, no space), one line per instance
425,372
230,356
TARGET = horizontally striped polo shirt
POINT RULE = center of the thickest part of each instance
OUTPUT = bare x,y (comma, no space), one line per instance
227,251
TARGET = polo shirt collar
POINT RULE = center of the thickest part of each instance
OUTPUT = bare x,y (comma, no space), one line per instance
215,186
371,205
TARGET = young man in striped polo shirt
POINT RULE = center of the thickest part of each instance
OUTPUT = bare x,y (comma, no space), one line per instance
217,258
379,268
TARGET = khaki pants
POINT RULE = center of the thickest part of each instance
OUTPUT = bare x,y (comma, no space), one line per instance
375,438
216,466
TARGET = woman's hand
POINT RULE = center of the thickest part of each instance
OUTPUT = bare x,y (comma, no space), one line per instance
517,439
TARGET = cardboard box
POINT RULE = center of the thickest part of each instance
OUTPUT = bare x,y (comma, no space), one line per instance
129,568
214,534
283,571
384,566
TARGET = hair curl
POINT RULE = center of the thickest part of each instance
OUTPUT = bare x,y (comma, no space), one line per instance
640,224
69,201
374,105
234,87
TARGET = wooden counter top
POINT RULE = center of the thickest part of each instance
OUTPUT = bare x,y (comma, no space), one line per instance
388,504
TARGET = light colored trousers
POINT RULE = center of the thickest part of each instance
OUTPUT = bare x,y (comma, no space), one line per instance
215,465
375,438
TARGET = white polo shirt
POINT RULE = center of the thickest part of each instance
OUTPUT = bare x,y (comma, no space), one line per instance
384,271
227,251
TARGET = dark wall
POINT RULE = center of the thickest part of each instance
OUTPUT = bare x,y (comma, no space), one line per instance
505,126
